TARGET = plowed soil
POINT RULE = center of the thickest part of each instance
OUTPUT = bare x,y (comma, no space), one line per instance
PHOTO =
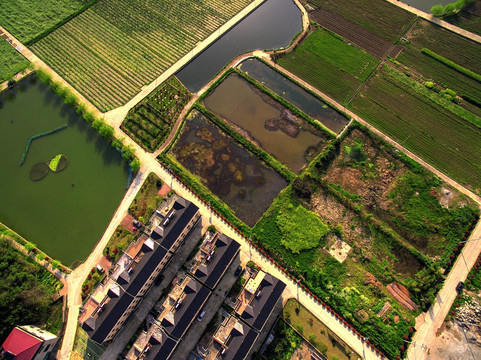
371,42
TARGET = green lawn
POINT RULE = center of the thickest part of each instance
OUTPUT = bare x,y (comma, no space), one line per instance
11,62
379,16
435,134
325,61
25,19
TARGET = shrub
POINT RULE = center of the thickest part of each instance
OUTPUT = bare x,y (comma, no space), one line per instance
135,165
40,256
30,246
429,84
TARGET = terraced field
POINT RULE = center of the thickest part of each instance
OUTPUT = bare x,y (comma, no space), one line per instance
379,16
441,138
327,62
117,46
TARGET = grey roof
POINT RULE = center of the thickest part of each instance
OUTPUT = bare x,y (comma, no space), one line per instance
226,250
99,328
257,313
134,278
195,296
185,211
162,346
240,343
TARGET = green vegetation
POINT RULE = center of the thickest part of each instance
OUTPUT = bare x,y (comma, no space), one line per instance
452,64
11,61
473,281
379,16
320,336
27,19
93,279
328,63
301,228
449,9
285,342
27,292
437,135
118,242
151,121
90,50
147,199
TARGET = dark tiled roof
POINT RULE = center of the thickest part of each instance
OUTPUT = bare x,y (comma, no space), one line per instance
240,343
212,272
98,328
257,313
195,297
162,346
141,271
185,211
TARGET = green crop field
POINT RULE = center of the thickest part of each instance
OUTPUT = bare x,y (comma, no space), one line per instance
25,19
328,63
150,121
117,46
447,44
11,62
379,16
440,73
438,136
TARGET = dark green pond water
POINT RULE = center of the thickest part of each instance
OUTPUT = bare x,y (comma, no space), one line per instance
65,213
304,100
231,172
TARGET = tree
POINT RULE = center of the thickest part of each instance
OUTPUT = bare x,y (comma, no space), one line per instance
56,264
30,246
106,131
135,165
437,10
127,152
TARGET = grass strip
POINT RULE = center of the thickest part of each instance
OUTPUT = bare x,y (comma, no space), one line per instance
451,64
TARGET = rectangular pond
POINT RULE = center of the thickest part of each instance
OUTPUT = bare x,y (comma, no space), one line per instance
236,176
296,95
65,213
290,139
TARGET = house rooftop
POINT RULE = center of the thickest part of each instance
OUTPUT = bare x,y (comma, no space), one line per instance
213,258
21,345
182,306
179,215
108,312
234,338
145,261
257,305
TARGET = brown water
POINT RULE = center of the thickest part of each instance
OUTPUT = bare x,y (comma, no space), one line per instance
240,103
232,173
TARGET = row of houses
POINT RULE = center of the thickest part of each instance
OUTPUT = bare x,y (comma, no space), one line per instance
110,305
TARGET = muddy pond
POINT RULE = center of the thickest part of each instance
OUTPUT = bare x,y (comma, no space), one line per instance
232,173
287,137
296,95
65,213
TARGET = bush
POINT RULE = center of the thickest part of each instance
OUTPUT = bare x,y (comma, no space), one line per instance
30,246
40,256
429,84
135,165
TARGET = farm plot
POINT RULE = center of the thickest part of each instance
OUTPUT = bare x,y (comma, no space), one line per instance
328,63
25,19
362,37
444,140
379,16
150,122
447,44
11,62
469,18
115,47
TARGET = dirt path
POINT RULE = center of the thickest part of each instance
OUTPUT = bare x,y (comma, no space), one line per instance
428,323
435,20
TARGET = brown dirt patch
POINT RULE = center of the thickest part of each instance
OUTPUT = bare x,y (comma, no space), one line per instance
164,190
371,42
127,222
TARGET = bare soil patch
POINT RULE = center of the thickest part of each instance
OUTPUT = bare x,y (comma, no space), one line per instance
371,42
